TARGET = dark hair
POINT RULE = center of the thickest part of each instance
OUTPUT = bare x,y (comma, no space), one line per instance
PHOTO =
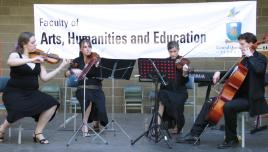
82,43
23,39
173,44
249,37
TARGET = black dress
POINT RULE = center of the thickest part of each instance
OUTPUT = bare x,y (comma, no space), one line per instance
173,97
94,95
21,96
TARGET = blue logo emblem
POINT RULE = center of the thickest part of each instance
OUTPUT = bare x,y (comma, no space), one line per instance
233,30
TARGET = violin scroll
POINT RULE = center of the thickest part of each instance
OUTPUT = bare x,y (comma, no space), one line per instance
264,40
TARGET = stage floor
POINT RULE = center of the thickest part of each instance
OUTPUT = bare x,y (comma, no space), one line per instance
133,124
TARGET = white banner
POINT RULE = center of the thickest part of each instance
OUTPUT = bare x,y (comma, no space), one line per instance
131,31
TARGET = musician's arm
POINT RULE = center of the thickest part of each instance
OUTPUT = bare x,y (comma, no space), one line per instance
45,76
15,60
258,64
219,74
69,70
185,72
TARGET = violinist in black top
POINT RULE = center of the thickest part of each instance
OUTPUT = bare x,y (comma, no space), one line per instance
95,109
173,96
249,97
21,95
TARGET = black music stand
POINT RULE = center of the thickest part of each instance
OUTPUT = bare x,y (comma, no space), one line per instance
115,69
156,70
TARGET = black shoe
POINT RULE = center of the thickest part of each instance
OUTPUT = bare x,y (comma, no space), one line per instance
38,140
228,144
96,126
188,138
1,136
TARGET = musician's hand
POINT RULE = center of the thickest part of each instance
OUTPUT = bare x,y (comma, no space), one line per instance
76,71
97,64
247,52
185,70
216,77
37,59
65,62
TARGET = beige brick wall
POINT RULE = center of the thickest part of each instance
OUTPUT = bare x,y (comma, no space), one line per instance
17,16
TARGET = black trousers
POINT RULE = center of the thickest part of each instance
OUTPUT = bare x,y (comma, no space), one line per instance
230,109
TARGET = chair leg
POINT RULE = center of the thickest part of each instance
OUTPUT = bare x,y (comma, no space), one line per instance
75,117
19,134
243,131
9,132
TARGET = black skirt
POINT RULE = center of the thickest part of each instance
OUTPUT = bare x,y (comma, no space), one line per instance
97,97
174,106
26,103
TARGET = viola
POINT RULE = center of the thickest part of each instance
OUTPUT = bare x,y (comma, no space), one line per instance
49,57
92,59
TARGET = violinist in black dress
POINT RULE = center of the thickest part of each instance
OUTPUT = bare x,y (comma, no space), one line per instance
95,109
173,96
21,96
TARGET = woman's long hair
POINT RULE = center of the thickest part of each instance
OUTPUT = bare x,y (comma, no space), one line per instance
23,39
82,43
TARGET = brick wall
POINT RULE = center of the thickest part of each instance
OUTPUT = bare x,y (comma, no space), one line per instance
17,16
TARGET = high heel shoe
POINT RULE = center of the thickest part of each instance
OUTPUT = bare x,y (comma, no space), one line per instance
2,134
85,130
96,127
41,141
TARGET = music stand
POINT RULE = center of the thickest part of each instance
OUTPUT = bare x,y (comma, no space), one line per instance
115,69
152,70
81,126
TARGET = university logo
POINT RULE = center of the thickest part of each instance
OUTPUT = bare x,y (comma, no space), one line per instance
233,27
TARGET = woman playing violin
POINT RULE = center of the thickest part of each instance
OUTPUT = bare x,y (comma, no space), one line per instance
173,96
95,109
249,97
21,96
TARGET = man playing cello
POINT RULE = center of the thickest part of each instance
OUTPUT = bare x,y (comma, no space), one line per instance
249,96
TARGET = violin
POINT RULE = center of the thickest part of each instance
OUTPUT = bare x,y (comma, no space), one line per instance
49,57
181,62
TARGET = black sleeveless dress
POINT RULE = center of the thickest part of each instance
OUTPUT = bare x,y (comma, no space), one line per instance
96,96
21,96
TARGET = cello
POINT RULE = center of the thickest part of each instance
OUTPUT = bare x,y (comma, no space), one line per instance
229,90
230,87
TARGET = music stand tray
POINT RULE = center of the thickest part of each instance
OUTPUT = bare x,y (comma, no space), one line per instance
115,69
156,70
